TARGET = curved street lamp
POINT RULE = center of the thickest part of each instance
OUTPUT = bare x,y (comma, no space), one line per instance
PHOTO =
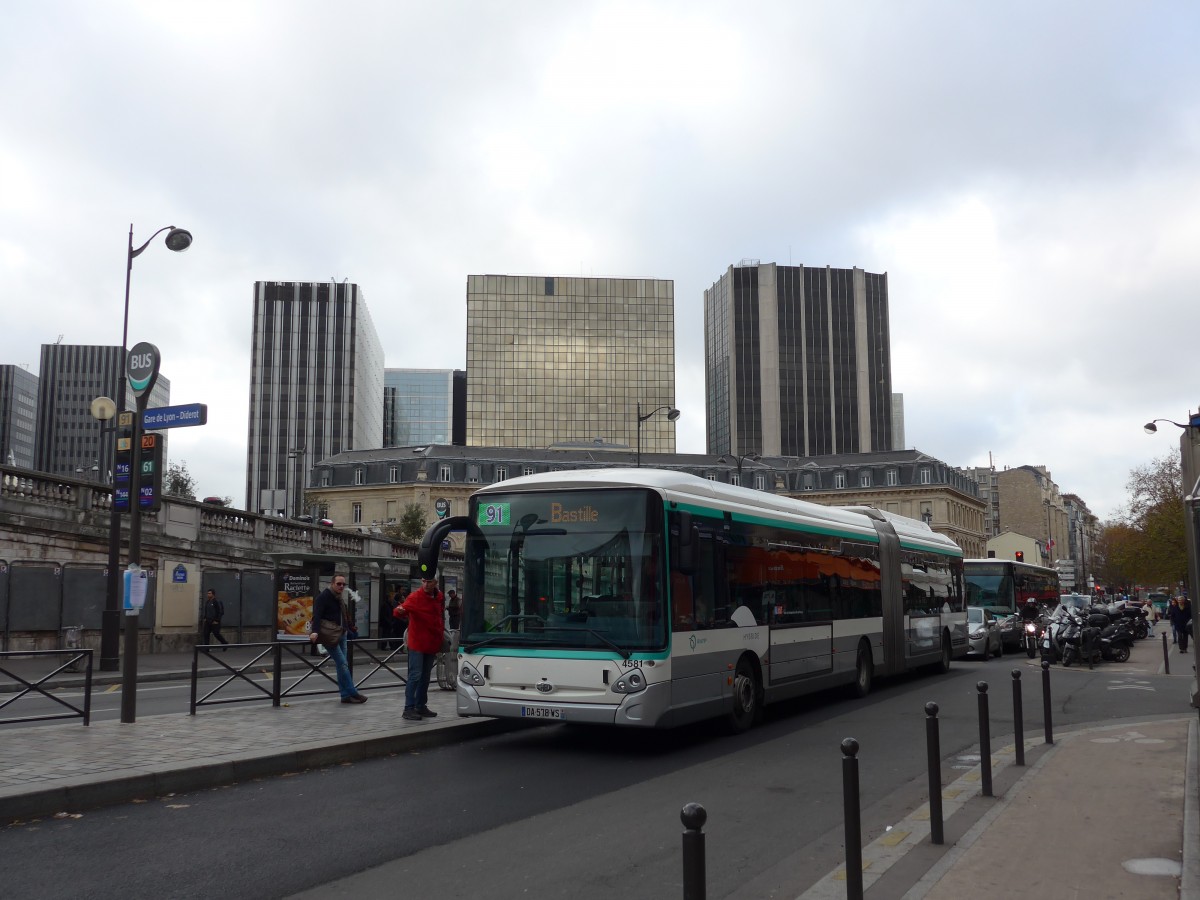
753,457
1151,428
672,415
178,240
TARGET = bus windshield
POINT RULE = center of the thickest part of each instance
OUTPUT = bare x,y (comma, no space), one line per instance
566,569
990,591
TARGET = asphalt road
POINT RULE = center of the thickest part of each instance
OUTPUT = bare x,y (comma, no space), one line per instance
561,811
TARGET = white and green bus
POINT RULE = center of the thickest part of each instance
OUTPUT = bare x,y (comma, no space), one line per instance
652,598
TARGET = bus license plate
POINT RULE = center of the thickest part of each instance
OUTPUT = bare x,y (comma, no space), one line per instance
541,712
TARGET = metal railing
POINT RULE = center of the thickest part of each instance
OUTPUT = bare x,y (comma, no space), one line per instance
36,688
297,653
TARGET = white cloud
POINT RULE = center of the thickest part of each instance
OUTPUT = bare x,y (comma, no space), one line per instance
1022,173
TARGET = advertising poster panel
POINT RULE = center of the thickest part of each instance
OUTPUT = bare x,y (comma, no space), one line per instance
295,590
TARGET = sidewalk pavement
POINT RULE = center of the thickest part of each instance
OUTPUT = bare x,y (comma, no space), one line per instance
1107,812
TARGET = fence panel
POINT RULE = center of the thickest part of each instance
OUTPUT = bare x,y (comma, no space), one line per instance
35,597
84,591
258,599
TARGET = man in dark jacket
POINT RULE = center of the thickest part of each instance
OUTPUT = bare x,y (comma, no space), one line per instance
329,606
214,611
1181,618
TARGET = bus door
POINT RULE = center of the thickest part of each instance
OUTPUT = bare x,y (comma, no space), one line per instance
895,621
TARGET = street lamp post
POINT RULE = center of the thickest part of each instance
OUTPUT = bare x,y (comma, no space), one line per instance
299,453
1189,457
178,240
672,415
1049,539
753,457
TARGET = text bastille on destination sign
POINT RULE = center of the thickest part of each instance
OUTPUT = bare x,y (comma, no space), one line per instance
582,514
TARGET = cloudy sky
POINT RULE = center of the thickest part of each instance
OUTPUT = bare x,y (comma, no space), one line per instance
1027,173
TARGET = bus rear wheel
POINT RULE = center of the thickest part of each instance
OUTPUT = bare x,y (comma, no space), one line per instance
745,698
864,670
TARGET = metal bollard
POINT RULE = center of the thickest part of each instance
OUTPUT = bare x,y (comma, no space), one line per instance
276,673
1018,718
693,816
985,739
1046,702
1166,657
933,743
854,879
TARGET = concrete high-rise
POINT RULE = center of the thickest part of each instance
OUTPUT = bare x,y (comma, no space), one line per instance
797,361
553,360
18,416
423,406
69,441
316,386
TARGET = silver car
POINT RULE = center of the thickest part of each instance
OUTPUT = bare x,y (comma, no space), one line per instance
983,632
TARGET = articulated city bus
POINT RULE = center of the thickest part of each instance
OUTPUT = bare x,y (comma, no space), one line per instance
651,598
1003,585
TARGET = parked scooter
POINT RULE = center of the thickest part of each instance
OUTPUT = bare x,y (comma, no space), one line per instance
1116,641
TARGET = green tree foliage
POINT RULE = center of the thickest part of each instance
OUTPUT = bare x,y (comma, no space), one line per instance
1148,545
313,502
411,526
178,481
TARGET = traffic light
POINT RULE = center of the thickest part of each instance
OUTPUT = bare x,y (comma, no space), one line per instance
1020,556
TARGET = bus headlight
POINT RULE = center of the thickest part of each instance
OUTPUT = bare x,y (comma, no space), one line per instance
630,683
470,675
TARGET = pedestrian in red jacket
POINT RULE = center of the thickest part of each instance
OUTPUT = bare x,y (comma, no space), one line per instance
425,611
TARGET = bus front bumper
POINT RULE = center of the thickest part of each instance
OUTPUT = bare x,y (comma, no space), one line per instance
642,710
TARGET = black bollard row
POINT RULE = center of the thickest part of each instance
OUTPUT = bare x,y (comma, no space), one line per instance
854,876
933,743
1046,701
985,739
1018,717
693,816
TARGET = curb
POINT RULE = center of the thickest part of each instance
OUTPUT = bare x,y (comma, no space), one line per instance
147,784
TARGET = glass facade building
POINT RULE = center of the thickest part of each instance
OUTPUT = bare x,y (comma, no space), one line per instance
316,386
797,361
553,360
418,406
18,416
69,441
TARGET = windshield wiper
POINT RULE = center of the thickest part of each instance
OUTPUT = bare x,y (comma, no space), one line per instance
612,645
525,637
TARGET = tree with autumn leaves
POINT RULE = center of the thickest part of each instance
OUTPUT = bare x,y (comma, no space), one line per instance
1147,544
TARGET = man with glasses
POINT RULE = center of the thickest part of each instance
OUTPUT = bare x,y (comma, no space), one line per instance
328,606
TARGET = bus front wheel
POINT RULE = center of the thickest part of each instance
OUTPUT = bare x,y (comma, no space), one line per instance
745,697
943,664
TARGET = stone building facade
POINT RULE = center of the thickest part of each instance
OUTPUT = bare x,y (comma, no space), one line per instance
370,489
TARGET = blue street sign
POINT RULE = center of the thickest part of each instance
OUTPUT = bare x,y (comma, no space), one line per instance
175,416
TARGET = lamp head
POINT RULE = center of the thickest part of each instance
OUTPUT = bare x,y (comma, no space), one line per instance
178,239
1150,428
672,414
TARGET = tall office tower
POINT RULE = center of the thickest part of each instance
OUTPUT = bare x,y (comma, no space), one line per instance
69,440
797,361
18,416
419,406
553,360
316,386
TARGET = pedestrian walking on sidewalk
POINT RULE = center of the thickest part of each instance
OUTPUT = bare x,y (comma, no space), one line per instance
1181,619
214,611
328,607
425,610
